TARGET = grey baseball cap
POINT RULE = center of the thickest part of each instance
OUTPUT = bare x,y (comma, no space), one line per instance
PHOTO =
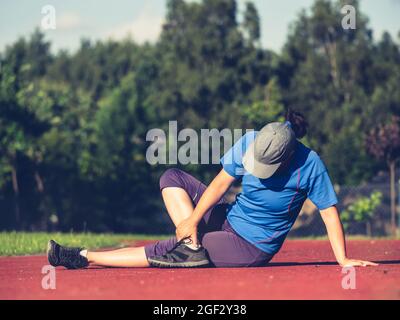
273,145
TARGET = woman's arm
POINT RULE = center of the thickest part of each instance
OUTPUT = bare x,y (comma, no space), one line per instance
334,228
210,197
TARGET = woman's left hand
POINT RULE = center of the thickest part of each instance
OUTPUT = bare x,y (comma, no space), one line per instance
187,229
356,263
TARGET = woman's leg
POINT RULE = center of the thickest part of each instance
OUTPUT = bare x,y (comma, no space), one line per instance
178,204
130,257
181,192
227,249
122,258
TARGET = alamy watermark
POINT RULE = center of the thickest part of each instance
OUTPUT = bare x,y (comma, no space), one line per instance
188,146
349,21
49,278
349,278
48,21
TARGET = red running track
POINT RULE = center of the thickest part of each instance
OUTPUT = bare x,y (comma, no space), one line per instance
302,270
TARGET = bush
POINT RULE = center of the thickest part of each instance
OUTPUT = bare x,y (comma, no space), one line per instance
362,211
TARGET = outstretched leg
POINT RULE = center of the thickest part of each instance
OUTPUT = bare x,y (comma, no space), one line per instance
122,258
77,258
180,192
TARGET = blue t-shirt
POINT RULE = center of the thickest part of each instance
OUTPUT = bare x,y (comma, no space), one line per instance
266,209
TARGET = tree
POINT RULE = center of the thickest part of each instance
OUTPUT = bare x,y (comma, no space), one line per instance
268,110
362,210
383,142
73,124
20,127
325,73
251,23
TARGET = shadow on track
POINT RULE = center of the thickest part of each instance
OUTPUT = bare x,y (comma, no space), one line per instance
271,264
323,263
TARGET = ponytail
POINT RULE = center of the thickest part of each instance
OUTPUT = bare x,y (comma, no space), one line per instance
298,123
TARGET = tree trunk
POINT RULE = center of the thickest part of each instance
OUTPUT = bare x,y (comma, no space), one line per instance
331,52
16,195
43,207
392,168
39,181
369,229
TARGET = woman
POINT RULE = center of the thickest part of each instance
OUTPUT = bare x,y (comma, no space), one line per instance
278,173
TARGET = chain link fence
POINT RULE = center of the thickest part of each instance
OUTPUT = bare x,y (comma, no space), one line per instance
309,222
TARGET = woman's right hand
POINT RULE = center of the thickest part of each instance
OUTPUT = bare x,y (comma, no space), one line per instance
210,197
356,263
187,229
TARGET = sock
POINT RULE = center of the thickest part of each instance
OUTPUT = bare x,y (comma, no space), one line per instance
191,245
83,253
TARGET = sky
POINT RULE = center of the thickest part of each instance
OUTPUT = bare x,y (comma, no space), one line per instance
142,19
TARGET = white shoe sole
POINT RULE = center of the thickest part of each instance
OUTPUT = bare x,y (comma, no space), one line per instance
190,264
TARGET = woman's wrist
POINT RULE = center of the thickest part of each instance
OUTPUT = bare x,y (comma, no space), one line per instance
341,260
194,218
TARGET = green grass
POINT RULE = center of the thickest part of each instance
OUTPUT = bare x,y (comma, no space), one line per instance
27,243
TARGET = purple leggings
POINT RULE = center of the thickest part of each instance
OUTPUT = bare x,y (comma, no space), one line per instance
224,246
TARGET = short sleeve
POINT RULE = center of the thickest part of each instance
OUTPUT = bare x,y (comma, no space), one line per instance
232,160
321,191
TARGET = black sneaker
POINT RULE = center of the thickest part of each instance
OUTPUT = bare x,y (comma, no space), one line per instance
69,258
181,256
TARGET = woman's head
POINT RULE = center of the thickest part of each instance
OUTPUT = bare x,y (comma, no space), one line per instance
274,145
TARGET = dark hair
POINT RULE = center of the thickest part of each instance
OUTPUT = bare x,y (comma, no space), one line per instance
298,122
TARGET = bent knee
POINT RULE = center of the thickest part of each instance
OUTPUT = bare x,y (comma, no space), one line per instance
171,179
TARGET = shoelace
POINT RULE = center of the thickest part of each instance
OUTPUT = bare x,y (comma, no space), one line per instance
183,241
69,253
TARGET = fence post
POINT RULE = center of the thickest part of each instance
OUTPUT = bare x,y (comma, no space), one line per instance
398,207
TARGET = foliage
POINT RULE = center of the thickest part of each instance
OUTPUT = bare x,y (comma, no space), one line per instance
383,141
73,124
26,243
362,209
